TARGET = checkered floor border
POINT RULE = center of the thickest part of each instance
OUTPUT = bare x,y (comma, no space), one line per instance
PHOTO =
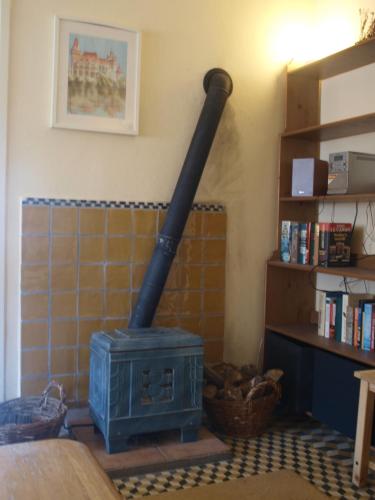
318,454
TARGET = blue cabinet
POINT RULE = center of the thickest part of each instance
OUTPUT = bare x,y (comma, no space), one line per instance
336,391
316,381
297,362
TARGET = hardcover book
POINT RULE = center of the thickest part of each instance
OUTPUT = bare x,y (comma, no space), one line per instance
339,245
302,244
294,245
285,241
323,243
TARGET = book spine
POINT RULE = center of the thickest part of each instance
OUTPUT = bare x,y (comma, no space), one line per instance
285,241
311,245
359,328
344,309
302,246
338,318
349,325
332,319
316,244
308,241
372,345
327,318
294,244
355,327
323,244
322,313
366,327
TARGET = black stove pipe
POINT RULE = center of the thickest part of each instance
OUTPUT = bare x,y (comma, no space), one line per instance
218,86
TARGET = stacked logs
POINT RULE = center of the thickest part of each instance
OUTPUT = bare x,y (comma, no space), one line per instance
225,381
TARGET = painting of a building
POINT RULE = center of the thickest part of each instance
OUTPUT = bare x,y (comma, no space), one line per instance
97,79
89,66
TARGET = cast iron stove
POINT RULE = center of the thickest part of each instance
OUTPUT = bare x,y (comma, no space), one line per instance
144,380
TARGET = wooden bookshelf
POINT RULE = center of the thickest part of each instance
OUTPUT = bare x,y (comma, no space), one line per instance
290,292
318,371
308,334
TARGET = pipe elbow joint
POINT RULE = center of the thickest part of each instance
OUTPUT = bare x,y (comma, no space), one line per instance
219,78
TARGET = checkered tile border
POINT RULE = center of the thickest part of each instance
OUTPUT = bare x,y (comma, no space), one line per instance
302,447
58,202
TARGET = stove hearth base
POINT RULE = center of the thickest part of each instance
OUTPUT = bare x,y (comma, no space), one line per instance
145,380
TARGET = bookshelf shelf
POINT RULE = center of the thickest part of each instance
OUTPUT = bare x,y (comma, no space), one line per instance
346,60
344,198
308,334
360,273
335,130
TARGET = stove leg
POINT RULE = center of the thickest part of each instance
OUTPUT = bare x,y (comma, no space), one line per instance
189,434
117,445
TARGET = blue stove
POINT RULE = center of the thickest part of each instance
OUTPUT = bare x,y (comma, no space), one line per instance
145,380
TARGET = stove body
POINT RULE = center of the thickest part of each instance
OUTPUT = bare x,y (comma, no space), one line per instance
145,380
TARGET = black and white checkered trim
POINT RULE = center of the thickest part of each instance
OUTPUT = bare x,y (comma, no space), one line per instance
147,205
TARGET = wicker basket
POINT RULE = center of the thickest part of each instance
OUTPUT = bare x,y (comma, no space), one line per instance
32,418
247,418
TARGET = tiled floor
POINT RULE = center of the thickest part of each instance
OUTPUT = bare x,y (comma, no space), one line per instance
321,456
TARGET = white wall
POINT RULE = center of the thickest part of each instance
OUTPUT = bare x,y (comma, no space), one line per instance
4,53
181,41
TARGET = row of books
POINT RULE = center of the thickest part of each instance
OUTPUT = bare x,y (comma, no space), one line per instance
325,244
347,318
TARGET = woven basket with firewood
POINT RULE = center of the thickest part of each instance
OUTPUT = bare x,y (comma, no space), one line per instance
239,402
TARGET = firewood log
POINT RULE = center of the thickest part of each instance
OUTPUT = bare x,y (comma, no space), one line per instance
248,371
210,391
213,377
232,393
274,374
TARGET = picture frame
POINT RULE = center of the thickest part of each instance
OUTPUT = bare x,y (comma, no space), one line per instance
96,77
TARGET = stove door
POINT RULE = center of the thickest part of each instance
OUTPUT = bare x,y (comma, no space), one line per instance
157,386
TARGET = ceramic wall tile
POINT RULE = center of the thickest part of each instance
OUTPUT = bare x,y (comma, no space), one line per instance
92,249
35,249
34,307
35,219
64,332
120,221
92,220
117,277
119,249
91,276
64,305
34,278
64,249
34,362
64,220
34,334
63,277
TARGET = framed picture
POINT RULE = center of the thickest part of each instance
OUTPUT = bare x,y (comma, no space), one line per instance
96,77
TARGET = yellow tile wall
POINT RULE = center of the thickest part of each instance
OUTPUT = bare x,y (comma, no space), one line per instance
82,268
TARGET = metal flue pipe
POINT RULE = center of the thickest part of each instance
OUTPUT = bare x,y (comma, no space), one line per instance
218,86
